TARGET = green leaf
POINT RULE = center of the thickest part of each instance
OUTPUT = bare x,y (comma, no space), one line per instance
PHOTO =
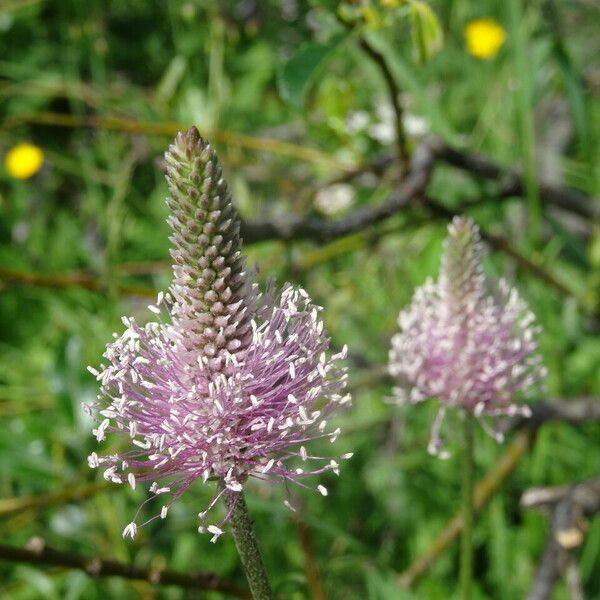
172,77
425,29
300,72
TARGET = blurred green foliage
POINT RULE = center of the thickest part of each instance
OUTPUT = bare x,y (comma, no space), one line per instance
289,71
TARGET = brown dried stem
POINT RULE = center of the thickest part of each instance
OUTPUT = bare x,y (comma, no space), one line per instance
37,552
569,507
171,128
512,182
77,279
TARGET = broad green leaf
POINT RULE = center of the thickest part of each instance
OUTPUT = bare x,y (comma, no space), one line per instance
171,79
300,72
426,31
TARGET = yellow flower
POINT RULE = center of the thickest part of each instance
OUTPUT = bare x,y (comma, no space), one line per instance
391,3
484,37
23,160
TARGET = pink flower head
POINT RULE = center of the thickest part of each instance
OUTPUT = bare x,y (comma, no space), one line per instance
466,340
228,383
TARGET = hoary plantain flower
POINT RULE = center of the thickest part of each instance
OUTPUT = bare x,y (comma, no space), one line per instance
227,383
465,339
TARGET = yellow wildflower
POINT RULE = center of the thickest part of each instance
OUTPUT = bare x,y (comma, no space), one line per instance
391,3
484,37
23,160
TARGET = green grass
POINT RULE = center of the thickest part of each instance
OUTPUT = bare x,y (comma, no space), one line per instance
98,206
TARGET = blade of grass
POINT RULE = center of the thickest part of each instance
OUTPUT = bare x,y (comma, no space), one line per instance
524,93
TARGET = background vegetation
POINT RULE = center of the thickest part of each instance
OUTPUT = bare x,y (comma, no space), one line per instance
295,102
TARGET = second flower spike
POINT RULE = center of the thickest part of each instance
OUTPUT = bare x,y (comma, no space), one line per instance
465,339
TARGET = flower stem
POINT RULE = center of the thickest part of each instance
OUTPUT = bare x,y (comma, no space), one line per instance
247,545
466,557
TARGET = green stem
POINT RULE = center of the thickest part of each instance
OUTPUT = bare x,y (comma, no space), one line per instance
466,557
247,545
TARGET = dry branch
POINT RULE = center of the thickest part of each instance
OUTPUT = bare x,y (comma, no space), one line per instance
512,183
394,95
77,279
294,227
569,506
424,160
575,412
37,552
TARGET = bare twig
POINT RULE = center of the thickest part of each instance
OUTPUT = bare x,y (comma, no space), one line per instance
575,412
500,243
152,267
297,228
37,552
569,505
394,95
574,583
76,279
413,187
393,91
512,183
509,180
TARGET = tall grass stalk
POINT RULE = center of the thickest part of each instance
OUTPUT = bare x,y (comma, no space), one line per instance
524,95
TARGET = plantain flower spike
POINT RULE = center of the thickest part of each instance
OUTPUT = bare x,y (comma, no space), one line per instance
227,383
466,340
